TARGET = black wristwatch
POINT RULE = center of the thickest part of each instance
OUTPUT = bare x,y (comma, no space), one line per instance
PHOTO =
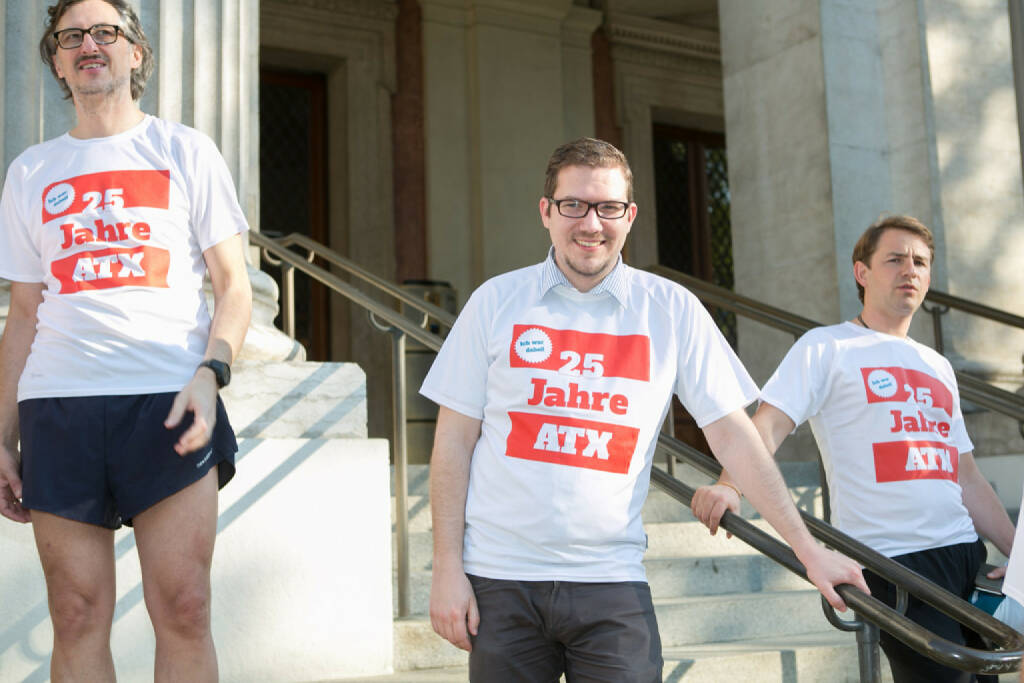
221,371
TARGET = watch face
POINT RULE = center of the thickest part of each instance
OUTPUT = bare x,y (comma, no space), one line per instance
221,371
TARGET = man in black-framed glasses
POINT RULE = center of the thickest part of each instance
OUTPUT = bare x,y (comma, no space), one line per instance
552,387
110,362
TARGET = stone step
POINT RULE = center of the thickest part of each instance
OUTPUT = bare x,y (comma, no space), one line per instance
722,618
682,622
674,577
664,539
820,656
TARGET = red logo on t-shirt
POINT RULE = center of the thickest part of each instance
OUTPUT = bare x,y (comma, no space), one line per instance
572,442
581,354
116,267
901,385
107,190
906,460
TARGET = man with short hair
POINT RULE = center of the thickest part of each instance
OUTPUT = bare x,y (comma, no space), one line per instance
110,362
885,413
553,385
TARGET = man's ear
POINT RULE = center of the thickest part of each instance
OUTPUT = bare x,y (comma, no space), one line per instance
860,271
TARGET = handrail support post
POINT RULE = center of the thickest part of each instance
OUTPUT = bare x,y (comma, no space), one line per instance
867,652
288,299
401,469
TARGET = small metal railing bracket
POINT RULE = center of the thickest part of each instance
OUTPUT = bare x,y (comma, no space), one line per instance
936,311
868,659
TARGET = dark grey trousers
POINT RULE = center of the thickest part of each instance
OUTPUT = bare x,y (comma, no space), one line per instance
533,631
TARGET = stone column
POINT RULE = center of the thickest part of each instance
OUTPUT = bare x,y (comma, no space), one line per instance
827,128
207,70
977,162
482,217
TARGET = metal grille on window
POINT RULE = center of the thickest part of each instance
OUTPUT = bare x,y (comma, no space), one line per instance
692,202
671,170
721,232
291,107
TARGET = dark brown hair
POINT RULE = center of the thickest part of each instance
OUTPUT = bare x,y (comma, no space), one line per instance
588,152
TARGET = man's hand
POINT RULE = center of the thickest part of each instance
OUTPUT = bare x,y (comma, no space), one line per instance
10,488
453,608
827,569
997,573
200,397
710,503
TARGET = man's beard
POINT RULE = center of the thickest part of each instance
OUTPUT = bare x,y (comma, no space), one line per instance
101,89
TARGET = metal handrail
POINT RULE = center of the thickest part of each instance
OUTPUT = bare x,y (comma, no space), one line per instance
401,327
315,249
914,635
972,389
974,308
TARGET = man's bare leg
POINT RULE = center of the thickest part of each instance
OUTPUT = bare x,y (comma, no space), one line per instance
175,541
78,563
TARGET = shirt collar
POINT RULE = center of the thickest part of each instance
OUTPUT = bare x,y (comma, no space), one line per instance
614,283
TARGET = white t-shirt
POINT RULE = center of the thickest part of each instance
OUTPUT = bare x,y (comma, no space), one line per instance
115,228
885,412
572,389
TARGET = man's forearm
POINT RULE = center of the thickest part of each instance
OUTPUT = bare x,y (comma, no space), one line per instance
983,505
449,483
454,441
232,311
15,344
739,447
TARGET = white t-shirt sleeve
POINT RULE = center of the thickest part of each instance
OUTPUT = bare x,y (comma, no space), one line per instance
799,386
458,377
1013,584
20,256
216,214
711,381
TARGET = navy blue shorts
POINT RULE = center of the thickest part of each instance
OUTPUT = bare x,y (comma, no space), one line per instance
104,459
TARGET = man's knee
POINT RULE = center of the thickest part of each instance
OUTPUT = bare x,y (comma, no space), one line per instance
183,610
77,613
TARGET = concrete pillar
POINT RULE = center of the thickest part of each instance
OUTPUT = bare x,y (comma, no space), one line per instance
978,174
827,127
517,76
838,111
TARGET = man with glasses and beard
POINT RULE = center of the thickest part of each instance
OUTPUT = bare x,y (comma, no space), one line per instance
110,362
553,385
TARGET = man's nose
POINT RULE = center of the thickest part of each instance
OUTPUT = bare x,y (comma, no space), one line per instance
88,44
591,222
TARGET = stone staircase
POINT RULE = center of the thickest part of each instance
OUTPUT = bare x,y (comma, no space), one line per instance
725,612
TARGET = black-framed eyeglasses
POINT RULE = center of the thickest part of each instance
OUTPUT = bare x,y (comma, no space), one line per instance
577,208
102,34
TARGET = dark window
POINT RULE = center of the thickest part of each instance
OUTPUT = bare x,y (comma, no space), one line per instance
692,195
293,177
694,233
